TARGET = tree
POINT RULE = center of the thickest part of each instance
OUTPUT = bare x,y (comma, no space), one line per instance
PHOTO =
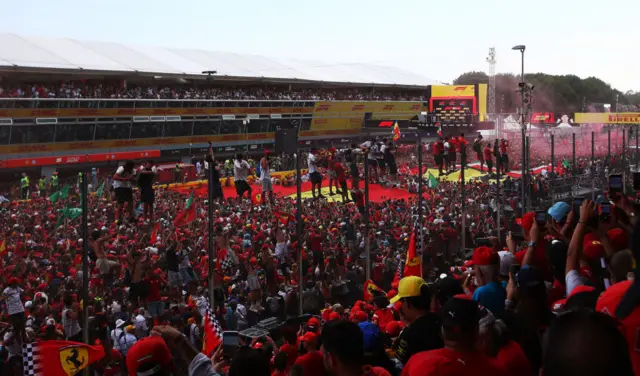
566,93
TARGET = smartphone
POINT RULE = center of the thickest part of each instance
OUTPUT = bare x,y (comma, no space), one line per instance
541,218
636,181
484,242
605,210
577,203
230,343
514,269
615,184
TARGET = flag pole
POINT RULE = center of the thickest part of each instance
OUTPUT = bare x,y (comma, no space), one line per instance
463,158
420,177
299,225
85,258
367,246
210,252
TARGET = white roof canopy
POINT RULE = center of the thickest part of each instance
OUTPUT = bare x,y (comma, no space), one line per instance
62,53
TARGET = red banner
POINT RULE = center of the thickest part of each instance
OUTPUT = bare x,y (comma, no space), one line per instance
76,159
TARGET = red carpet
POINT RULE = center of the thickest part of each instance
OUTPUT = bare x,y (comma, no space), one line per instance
377,193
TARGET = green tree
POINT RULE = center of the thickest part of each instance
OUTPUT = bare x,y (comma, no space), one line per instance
554,93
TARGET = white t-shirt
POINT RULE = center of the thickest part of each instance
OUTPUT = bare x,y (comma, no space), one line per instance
121,183
14,304
240,170
265,173
311,163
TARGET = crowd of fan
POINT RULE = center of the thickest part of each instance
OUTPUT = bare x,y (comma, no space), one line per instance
539,300
77,90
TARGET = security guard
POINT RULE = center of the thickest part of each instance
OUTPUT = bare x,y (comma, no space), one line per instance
42,186
24,186
54,182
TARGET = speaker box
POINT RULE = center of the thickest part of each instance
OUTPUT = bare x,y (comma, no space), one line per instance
286,141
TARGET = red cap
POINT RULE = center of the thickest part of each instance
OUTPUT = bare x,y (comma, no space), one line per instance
334,316
151,352
610,298
313,322
393,328
591,247
361,316
308,337
619,239
485,256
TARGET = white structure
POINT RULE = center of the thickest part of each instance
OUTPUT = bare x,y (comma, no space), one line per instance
21,53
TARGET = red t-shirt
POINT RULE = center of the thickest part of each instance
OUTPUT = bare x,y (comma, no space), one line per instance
487,154
153,293
446,362
503,147
316,242
437,148
312,363
384,317
292,353
514,360
340,172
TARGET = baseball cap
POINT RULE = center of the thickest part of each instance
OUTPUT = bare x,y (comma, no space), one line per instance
619,239
460,313
528,276
308,337
485,256
148,357
591,247
119,323
559,211
408,287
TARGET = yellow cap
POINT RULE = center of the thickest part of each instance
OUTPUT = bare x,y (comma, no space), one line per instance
408,287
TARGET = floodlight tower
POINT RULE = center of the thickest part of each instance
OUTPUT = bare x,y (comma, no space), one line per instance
491,59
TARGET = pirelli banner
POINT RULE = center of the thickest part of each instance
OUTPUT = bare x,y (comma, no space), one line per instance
608,118
350,115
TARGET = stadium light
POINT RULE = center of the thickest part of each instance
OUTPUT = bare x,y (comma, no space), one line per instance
209,72
520,47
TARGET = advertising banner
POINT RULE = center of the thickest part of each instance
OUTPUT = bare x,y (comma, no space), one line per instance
77,159
450,91
608,118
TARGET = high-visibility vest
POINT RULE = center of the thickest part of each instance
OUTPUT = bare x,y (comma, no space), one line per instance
42,184
54,180
24,182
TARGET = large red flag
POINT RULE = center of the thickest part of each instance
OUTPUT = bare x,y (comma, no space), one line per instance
256,198
212,333
186,216
58,358
154,233
413,265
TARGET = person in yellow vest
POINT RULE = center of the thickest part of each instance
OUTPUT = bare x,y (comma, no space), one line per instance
54,182
24,186
177,172
42,186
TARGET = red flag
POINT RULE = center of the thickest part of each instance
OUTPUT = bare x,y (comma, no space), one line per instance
370,289
59,358
212,333
155,232
185,217
439,129
396,132
256,198
284,217
413,265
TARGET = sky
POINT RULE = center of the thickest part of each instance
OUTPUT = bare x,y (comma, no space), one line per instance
436,39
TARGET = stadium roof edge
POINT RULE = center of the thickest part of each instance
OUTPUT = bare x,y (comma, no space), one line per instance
74,57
